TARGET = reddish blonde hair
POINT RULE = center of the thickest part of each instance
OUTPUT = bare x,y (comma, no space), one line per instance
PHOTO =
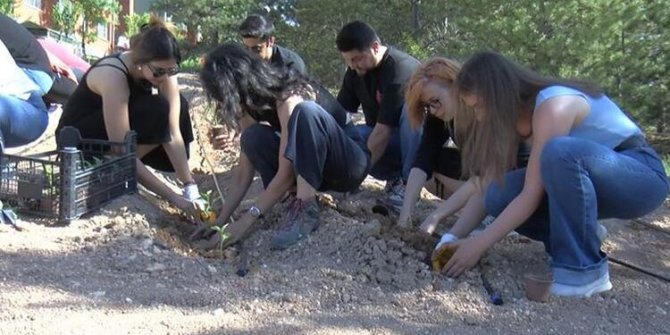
441,70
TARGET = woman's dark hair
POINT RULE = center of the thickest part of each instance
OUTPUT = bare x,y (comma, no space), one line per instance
154,42
506,89
241,82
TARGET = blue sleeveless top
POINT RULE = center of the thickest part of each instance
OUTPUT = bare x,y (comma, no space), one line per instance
605,123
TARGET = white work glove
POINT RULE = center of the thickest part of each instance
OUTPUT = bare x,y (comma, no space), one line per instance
446,238
192,194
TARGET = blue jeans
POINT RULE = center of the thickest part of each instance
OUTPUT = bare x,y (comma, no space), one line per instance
21,121
41,79
396,162
584,181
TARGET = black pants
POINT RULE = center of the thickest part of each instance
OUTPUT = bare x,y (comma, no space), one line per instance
149,117
327,156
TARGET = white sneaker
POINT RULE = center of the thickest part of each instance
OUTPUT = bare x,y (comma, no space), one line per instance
601,284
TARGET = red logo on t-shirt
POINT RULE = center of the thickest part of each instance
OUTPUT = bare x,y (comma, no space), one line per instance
379,97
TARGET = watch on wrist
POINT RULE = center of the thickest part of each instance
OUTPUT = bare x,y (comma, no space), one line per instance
255,212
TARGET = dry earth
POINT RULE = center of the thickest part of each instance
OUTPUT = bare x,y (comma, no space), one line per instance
129,269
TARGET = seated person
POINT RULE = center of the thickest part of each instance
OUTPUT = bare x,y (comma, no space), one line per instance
115,96
375,79
23,114
28,54
316,149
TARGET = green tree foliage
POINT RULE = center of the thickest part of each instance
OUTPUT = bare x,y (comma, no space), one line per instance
622,45
94,12
134,22
216,20
65,15
7,7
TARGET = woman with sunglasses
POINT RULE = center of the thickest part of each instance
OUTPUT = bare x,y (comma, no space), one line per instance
588,161
137,90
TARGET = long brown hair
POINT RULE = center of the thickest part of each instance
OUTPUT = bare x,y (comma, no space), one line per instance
489,146
155,41
437,69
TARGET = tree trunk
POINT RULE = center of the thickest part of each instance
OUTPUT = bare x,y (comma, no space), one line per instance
83,38
415,17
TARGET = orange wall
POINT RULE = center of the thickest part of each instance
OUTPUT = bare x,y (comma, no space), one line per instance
42,17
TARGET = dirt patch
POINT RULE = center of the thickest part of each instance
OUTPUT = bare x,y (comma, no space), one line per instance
129,268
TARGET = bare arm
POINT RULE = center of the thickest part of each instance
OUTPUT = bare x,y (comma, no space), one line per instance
175,148
450,206
417,178
285,177
112,86
553,118
243,175
280,184
378,141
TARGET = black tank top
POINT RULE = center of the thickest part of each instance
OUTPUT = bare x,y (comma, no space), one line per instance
85,102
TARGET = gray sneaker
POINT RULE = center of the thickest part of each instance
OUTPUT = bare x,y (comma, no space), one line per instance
302,219
395,193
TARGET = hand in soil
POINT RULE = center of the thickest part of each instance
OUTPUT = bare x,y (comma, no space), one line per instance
189,208
442,255
429,224
465,257
212,242
403,220
235,231
203,231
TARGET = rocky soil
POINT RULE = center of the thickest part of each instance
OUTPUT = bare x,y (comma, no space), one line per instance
130,269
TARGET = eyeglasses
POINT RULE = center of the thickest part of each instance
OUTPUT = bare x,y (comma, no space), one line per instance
431,105
161,71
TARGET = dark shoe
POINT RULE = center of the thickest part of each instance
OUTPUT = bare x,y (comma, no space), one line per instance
302,219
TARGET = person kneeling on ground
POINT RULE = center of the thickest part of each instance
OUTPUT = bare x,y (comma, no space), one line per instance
115,96
588,161
317,148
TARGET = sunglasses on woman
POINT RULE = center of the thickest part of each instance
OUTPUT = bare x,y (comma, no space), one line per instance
161,71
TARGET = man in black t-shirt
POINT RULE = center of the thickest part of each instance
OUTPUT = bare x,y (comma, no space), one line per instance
258,36
375,79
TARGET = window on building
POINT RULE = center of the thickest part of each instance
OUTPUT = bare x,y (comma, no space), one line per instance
34,3
103,31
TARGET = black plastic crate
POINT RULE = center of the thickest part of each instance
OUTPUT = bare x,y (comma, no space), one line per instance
82,175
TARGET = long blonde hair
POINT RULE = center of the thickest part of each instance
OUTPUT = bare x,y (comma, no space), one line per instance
438,69
489,147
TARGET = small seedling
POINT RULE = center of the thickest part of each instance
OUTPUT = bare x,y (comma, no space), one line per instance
223,235
207,214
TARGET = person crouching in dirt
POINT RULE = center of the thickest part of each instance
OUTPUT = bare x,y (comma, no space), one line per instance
431,101
437,165
588,160
294,133
115,96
